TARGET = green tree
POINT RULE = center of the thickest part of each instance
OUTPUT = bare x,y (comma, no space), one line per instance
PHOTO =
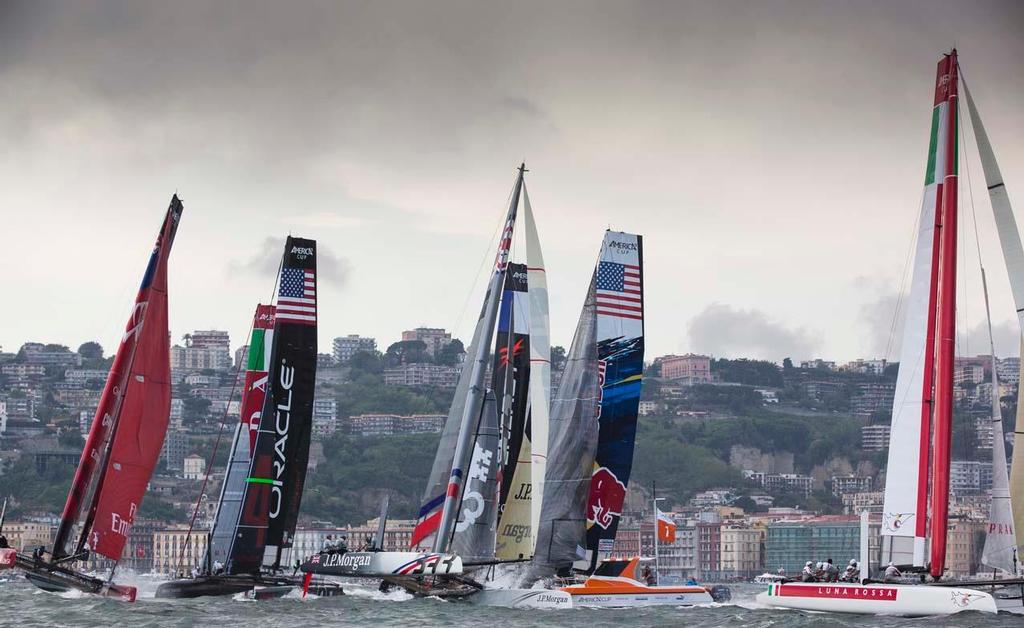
196,408
449,355
366,362
406,352
91,350
557,358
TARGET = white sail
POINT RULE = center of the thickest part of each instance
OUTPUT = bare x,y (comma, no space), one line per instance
1013,256
906,476
540,365
1000,543
902,476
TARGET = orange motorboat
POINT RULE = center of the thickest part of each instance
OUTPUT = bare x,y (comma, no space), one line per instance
617,583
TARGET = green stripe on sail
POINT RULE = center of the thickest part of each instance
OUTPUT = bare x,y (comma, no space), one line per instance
933,147
255,361
259,480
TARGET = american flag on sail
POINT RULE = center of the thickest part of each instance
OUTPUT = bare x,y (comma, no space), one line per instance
296,297
618,290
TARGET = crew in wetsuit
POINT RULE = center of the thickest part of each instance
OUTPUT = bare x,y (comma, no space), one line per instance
852,573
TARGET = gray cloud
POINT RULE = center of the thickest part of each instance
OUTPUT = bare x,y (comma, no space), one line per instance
266,261
726,331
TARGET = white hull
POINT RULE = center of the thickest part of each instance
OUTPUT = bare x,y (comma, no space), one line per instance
522,598
876,599
640,599
379,564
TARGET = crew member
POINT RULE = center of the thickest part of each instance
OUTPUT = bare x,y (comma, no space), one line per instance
831,571
891,573
218,567
342,545
3,542
852,573
647,575
328,545
807,575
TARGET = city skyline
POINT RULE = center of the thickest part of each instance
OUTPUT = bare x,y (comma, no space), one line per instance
771,154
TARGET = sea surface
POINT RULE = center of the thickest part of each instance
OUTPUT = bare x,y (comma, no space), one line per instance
24,605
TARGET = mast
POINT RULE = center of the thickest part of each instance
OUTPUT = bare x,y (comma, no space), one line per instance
134,386
1013,257
946,93
477,370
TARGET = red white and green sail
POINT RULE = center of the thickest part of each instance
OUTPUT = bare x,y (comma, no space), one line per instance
254,396
923,400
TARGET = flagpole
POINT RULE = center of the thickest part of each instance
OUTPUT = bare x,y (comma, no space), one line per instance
654,500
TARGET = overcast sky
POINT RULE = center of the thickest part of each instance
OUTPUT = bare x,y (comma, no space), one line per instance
772,155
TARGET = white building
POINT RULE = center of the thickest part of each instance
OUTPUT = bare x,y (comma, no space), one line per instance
875,437
325,417
422,375
194,467
347,346
435,338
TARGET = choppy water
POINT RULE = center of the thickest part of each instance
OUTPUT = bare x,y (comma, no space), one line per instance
24,605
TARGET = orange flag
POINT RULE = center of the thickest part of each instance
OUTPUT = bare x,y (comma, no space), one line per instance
666,528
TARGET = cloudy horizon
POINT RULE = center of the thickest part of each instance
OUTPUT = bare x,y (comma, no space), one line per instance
770,153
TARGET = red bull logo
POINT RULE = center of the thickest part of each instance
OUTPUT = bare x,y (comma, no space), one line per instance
607,494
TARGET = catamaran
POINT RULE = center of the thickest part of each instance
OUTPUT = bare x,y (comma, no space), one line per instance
592,436
259,500
122,447
483,498
916,500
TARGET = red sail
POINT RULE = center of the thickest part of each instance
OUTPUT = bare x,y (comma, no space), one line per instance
132,416
945,337
255,392
140,369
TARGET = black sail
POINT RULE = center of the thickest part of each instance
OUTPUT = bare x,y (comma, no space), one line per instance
277,472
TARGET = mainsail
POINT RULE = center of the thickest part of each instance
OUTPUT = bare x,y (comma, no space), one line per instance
128,430
277,470
442,504
593,415
1013,256
253,398
619,304
926,354
572,443
511,385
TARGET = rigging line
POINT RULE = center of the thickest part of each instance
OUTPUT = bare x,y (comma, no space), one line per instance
483,261
900,297
220,434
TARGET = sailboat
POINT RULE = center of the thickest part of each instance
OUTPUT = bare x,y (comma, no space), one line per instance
123,444
259,501
916,500
482,500
592,435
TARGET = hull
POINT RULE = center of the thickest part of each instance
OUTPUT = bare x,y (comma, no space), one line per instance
60,579
381,564
877,599
522,598
636,596
254,587
207,586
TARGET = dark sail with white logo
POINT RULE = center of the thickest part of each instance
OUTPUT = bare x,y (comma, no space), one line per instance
277,472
